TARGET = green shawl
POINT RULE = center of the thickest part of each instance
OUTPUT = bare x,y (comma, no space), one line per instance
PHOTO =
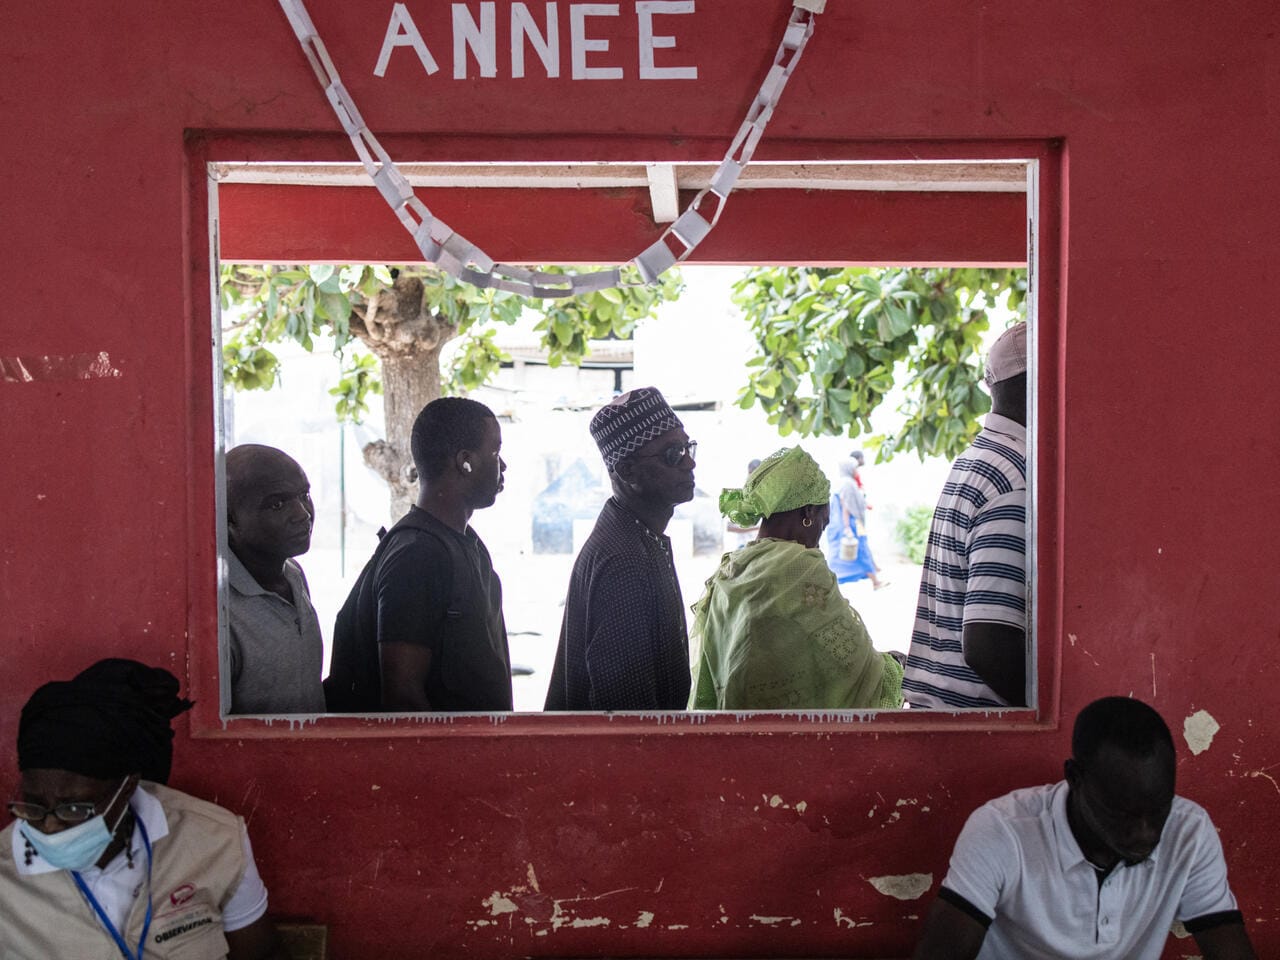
773,632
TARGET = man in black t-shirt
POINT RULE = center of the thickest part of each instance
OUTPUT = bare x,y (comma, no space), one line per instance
422,629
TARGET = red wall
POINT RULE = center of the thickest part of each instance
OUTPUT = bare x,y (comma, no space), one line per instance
1155,462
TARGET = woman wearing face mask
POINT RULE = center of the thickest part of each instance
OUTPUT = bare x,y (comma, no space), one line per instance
104,860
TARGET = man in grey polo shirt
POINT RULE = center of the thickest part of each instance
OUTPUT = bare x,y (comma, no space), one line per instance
276,650
1095,867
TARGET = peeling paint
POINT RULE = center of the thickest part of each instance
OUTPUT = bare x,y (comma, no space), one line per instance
907,886
768,921
498,904
677,926
775,801
1198,730
842,920
801,807
580,922
644,919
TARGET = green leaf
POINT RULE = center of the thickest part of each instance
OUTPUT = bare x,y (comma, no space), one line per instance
320,272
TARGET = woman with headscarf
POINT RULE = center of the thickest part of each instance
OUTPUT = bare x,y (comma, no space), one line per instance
772,630
848,553
104,860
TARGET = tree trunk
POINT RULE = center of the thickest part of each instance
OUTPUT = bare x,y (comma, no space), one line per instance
407,339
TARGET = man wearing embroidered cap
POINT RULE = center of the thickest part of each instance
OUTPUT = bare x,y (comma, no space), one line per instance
103,859
968,647
623,641
772,630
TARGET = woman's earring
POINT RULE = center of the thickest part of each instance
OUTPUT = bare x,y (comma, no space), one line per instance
807,522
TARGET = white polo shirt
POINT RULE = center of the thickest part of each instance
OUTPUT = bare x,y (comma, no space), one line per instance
1018,865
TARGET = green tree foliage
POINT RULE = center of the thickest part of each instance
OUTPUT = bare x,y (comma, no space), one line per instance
831,343
912,531
299,303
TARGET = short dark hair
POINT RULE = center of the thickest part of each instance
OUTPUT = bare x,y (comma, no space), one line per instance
444,427
1123,722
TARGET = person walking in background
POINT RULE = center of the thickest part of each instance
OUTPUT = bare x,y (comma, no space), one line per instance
847,551
968,646
772,630
860,462
623,641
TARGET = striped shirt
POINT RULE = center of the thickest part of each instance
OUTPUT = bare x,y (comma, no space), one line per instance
974,567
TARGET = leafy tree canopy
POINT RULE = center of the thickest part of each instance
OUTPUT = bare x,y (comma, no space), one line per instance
301,302
831,343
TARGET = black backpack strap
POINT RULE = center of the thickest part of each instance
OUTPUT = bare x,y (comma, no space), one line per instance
354,683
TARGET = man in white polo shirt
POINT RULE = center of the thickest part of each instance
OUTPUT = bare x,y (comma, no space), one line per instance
1095,867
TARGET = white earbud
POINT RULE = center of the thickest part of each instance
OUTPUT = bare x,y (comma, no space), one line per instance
466,467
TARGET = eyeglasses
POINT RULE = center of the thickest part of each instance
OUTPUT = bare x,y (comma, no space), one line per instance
673,455
66,812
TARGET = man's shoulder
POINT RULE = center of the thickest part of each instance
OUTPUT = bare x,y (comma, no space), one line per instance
1002,448
177,804
616,535
412,544
1024,806
1188,817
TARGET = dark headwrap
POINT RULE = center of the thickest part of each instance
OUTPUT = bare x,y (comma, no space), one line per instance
110,721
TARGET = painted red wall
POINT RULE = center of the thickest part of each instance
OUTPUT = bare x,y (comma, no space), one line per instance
633,838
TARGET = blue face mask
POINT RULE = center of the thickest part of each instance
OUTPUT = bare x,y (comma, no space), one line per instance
78,847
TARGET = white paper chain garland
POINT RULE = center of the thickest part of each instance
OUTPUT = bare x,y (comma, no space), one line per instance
453,253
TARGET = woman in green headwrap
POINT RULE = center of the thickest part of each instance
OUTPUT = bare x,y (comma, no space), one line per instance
772,631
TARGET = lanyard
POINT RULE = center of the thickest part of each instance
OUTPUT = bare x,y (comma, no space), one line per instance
102,915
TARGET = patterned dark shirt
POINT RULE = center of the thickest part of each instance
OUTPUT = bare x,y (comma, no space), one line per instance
623,641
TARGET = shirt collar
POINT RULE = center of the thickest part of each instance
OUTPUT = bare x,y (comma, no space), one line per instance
145,807
242,581
1010,428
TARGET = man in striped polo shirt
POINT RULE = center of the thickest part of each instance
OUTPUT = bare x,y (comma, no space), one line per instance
968,647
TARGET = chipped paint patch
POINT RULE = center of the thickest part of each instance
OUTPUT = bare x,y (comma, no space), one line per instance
768,921
775,801
907,886
801,807
498,904
1198,730
677,926
841,919
579,922
644,919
